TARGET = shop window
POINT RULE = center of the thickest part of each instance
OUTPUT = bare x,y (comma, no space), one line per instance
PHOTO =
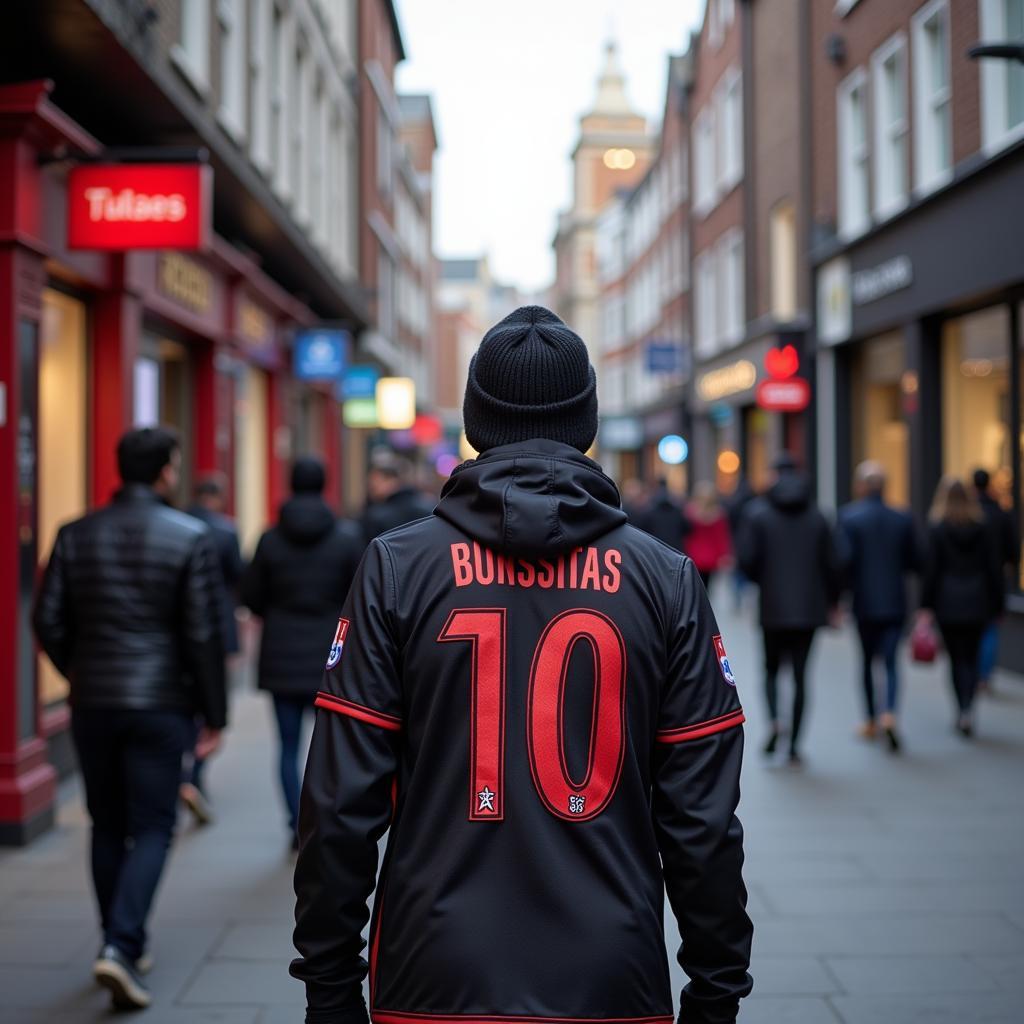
782,270
879,428
889,82
251,455
757,447
854,214
933,96
163,395
62,439
976,397
1002,81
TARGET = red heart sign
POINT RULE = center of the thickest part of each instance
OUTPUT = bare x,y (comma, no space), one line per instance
782,363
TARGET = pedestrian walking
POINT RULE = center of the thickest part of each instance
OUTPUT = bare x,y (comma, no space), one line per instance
664,518
476,701
962,589
709,541
296,582
879,549
393,500
209,502
786,546
129,612
1006,536
634,498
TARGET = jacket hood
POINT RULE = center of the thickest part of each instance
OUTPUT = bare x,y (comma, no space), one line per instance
532,498
791,492
305,519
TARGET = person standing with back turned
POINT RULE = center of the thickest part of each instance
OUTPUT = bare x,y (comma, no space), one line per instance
535,697
129,611
879,549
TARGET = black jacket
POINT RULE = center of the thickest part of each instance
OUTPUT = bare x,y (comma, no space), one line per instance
786,546
879,547
664,518
404,506
129,609
225,540
297,582
1005,534
963,578
540,813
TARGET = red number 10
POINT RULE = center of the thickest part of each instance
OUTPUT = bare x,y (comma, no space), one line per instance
573,799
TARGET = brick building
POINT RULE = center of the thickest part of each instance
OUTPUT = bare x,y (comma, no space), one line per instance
917,260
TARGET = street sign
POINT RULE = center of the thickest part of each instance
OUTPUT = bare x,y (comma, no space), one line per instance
320,354
664,357
360,412
139,206
360,382
790,395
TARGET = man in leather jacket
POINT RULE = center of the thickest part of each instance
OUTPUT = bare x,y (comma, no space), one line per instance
129,612
535,697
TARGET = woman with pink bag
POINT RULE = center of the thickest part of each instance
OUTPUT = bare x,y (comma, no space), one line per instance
962,588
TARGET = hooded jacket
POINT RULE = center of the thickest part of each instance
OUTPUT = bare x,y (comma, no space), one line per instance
297,581
534,696
786,546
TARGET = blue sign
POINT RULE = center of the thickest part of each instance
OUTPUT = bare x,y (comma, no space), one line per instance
321,354
359,382
664,357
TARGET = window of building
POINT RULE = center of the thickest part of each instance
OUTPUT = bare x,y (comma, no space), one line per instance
889,80
854,213
385,295
298,119
385,146
879,428
705,311
782,267
704,186
729,102
1002,81
731,312
933,95
192,52
317,142
231,21
976,395
260,49
721,14
280,57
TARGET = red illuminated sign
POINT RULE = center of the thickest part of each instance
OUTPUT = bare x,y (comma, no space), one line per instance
785,391
139,206
791,395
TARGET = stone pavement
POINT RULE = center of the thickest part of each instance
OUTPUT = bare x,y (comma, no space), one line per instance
883,890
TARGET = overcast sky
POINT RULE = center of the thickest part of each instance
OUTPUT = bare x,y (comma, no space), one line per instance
509,79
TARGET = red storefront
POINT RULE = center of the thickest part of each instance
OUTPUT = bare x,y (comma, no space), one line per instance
92,343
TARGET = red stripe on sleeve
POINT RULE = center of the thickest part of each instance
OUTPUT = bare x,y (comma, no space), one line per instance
699,729
353,710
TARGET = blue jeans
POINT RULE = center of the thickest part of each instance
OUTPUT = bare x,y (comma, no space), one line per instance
289,711
131,767
880,640
989,652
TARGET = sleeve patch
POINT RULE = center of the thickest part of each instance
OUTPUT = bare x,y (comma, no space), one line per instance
349,707
338,643
699,729
723,659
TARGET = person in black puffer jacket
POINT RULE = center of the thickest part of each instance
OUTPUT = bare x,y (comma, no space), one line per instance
787,547
129,612
297,582
962,586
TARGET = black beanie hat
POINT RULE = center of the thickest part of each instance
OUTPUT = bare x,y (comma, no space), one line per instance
308,476
531,377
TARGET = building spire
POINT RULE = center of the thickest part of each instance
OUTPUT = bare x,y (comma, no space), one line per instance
611,86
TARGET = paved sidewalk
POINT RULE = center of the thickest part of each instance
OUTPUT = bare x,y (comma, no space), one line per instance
883,890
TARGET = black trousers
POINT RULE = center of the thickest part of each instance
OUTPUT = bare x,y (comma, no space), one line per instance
794,646
131,766
963,644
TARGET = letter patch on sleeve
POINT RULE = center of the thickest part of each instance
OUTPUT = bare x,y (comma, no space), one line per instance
723,660
339,642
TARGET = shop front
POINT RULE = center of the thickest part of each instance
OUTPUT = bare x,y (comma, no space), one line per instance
93,342
919,357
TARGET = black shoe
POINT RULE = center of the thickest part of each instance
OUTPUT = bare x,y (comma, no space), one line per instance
773,739
894,740
119,976
965,726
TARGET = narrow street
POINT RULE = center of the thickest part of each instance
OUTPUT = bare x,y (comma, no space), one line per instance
882,890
